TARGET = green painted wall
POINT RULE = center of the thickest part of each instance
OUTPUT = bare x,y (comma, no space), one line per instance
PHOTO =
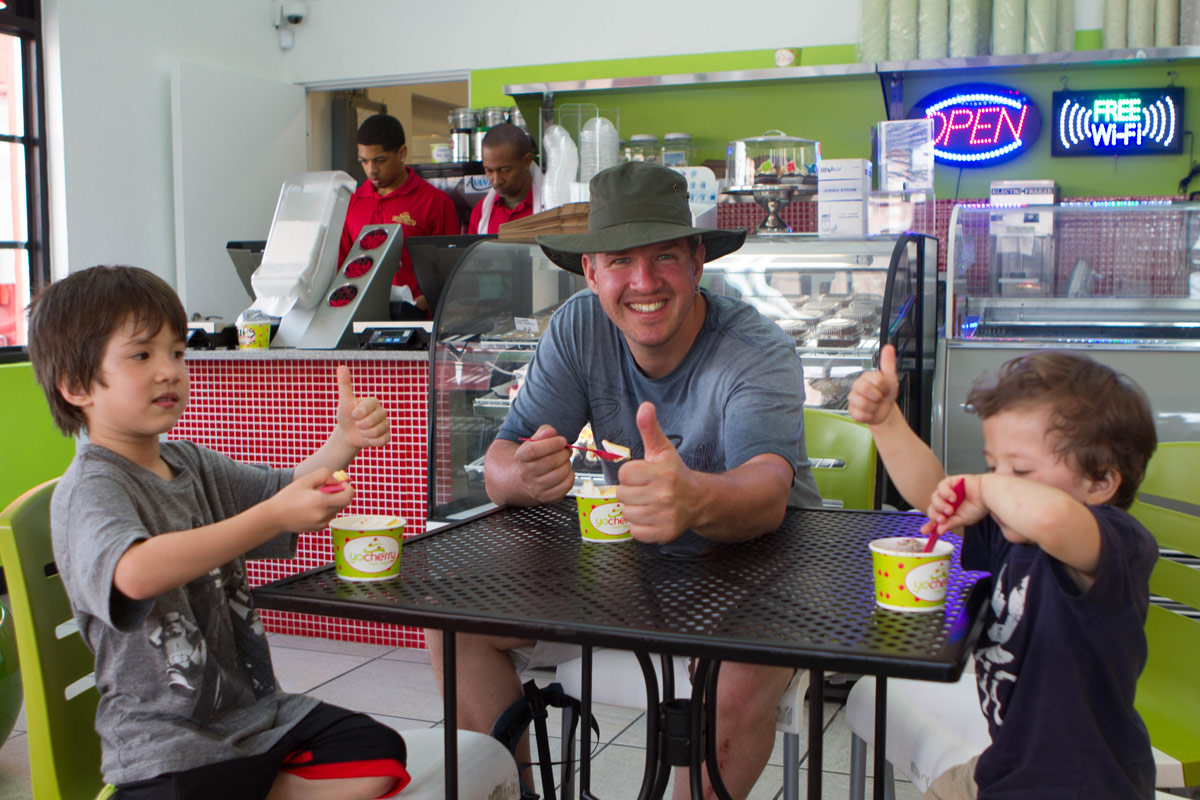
841,112
33,449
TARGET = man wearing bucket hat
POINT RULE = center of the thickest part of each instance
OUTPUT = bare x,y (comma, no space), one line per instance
705,392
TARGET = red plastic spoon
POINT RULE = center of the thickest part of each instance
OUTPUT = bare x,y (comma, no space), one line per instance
960,494
341,477
604,454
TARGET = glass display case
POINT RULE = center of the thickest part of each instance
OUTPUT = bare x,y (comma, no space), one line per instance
837,299
1119,281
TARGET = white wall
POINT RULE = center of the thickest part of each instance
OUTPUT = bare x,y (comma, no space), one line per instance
112,156
482,34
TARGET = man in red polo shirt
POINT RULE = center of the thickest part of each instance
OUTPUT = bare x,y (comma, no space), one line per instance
394,193
516,181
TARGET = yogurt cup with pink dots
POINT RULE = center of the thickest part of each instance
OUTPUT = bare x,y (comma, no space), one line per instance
907,579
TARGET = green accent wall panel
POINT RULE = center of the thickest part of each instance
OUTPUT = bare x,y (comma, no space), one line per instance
716,113
32,450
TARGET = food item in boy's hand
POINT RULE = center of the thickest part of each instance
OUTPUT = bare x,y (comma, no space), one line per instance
341,477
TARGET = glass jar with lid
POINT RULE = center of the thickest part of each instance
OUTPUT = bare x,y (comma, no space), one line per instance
642,147
677,150
773,157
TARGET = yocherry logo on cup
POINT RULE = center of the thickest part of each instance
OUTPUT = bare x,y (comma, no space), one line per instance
929,581
371,554
609,519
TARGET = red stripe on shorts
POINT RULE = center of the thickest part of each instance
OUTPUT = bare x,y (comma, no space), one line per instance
355,769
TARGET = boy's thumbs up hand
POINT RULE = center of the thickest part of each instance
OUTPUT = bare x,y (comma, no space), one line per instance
873,395
654,490
362,420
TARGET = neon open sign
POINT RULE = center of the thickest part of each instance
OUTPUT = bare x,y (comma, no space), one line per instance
1118,122
979,124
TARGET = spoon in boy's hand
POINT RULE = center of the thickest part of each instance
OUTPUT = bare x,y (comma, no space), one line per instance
960,494
602,454
341,477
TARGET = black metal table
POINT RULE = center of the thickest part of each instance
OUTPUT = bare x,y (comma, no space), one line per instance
801,596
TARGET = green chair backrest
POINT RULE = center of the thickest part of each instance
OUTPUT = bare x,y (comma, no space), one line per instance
56,665
34,450
1168,693
829,436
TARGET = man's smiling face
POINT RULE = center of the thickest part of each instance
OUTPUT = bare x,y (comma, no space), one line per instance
649,293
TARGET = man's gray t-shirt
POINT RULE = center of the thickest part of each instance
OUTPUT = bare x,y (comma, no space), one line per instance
737,394
185,679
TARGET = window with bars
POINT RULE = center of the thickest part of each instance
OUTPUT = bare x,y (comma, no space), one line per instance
24,206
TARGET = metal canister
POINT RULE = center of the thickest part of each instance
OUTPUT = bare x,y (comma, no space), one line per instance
494,115
460,145
517,118
462,129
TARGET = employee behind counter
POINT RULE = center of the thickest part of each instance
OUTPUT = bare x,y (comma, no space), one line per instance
516,182
394,193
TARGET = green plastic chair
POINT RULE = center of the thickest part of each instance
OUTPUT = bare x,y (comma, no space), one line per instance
11,696
1168,693
843,456
56,665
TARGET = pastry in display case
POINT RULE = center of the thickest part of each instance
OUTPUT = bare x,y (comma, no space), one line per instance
833,298
1117,281
837,300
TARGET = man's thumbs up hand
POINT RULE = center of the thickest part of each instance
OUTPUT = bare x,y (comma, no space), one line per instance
654,490
873,395
655,444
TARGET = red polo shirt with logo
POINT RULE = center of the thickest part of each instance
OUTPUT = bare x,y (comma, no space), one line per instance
419,207
501,213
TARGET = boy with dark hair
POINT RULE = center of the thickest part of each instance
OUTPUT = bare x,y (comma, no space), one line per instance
1066,442
394,193
149,538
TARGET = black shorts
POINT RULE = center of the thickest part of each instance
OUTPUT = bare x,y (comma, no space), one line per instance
330,742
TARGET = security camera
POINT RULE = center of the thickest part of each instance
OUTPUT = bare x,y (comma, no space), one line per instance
295,12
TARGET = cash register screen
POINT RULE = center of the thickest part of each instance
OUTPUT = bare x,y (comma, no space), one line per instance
433,258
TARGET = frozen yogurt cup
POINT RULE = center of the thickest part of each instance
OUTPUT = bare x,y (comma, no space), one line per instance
601,517
367,548
253,335
907,579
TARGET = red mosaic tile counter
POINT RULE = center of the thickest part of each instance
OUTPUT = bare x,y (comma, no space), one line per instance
277,407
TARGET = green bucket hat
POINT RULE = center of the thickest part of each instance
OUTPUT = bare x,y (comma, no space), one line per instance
636,204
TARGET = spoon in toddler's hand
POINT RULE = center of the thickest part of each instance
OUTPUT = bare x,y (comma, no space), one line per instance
604,454
960,494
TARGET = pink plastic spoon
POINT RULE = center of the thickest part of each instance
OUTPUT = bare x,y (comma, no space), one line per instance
604,454
960,494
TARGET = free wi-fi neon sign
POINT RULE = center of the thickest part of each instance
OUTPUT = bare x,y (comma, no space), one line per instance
979,124
1118,122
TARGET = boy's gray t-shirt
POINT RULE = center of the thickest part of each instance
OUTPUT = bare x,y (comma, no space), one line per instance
737,394
185,679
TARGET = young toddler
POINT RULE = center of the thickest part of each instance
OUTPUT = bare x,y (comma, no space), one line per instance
150,536
1066,441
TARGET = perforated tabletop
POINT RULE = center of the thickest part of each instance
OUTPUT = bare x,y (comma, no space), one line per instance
800,596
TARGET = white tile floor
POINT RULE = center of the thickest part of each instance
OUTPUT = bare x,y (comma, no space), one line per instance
397,685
